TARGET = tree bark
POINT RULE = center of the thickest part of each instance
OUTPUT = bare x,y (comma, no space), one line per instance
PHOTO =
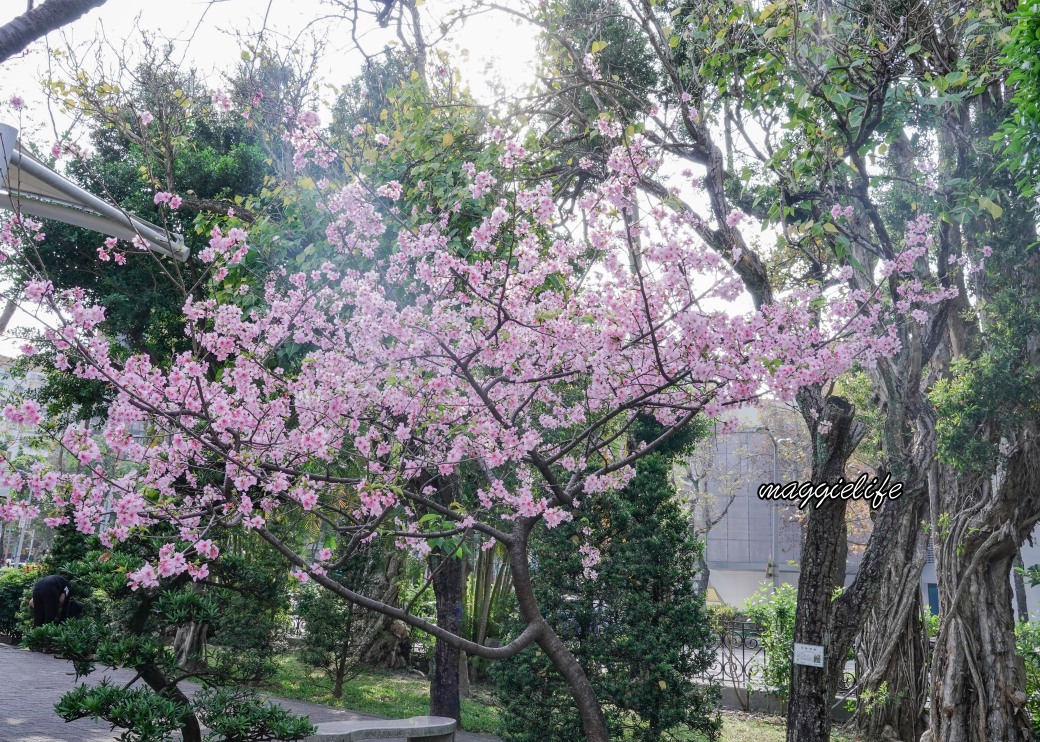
36,23
703,579
158,682
371,626
986,511
594,724
190,729
444,684
189,645
342,662
463,675
978,679
892,653
812,688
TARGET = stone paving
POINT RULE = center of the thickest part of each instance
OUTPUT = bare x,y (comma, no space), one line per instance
32,682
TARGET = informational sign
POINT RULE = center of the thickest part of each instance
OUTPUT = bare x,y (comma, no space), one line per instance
808,654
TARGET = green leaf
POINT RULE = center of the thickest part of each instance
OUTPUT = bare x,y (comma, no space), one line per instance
992,207
767,12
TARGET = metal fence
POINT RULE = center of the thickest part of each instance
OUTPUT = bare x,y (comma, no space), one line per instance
740,659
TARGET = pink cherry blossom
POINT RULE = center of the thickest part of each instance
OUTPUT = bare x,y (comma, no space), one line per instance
221,101
517,357
143,577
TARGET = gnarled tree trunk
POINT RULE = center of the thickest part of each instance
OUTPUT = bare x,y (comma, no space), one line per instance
377,645
978,679
892,652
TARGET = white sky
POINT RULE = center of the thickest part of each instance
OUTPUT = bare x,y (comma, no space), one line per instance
207,33
211,36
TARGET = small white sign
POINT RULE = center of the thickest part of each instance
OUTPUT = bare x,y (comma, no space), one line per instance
808,654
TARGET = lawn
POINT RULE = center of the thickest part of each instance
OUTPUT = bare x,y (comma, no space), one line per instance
398,695
379,692
741,727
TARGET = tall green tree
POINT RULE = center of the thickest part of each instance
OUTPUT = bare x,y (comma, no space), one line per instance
634,620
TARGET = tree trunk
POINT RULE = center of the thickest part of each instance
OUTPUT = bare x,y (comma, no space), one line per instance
190,729
34,24
342,662
985,513
813,688
703,578
978,680
892,654
372,626
466,626
158,682
593,723
444,683
463,675
189,645
584,694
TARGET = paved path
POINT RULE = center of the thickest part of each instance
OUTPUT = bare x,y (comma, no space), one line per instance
32,682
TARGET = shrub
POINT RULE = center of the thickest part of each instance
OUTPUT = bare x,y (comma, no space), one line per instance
333,626
16,585
1027,635
130,628
774,612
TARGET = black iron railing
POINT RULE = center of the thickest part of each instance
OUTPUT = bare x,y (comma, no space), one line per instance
741,659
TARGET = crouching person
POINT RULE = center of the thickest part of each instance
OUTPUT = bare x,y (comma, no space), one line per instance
52,602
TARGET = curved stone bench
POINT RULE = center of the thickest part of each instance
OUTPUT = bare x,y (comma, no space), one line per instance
416,729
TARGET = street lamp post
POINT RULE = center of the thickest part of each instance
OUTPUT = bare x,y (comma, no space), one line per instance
774,524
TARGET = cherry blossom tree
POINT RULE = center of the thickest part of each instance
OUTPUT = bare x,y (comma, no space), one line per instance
522,350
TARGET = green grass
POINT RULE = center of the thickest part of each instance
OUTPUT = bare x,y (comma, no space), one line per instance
399,695
380,692
738,726
741,727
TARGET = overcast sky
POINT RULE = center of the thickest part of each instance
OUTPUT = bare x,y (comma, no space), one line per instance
210,36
